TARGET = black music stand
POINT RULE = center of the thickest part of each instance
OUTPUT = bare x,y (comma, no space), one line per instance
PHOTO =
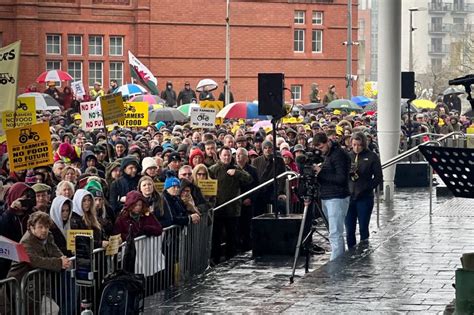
455,166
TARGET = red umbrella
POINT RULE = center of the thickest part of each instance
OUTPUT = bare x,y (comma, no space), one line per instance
54,75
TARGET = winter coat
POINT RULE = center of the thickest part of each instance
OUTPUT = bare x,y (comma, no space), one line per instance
120,188
334,175
169,96
264,168
146,225
77,222
229,187
369,174
176,212
59,229
186,96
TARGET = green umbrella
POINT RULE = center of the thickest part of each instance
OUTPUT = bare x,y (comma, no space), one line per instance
343,104
186,108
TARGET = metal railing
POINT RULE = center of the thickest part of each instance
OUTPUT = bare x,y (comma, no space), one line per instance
9,296
177,255
412,151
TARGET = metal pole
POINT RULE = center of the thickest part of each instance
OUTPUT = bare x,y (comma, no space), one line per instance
431,190
288,196
410,53
349,50
227,54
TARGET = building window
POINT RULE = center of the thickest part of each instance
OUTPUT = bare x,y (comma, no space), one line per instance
53,44
299,17
74,45
317,41
116,72
74,68
54,65
116,46
296,90
298,42
95,72
436,65
317,18
96,45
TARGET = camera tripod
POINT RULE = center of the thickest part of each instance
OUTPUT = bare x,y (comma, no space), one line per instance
309,205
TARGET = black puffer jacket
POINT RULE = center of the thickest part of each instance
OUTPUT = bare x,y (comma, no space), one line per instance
334,174
369,174
119,189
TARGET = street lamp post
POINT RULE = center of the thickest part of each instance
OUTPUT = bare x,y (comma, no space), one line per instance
227,54
410,52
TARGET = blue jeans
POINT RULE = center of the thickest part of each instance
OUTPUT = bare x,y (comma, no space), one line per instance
335,211
359,210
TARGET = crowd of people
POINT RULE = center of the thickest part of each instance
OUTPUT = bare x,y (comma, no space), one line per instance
149,178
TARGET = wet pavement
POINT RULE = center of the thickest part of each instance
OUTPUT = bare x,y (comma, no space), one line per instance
408,266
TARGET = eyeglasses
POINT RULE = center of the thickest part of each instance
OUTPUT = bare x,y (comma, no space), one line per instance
201,174
187,174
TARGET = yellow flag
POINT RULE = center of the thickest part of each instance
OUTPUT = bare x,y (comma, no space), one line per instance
9,61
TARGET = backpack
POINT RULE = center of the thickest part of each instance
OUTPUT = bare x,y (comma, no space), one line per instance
122,293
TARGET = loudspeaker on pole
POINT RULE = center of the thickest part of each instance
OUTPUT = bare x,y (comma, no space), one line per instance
270,94
408,85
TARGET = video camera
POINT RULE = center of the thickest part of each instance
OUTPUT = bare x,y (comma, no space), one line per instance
308,187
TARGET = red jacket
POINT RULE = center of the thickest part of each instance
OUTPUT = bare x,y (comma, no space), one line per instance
147,225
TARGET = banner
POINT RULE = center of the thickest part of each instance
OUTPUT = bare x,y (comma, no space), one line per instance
25,110
9,62
71,237
12,250
203,117
136,114
112,108
29,147
208,187
78,89
142,74
91,115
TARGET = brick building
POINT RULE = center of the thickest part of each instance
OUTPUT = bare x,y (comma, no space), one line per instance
183,40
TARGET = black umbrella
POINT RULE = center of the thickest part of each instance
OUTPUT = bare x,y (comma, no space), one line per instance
130,253
166,114
403,107
312,106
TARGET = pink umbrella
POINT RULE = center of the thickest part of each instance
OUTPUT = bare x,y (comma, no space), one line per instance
54,75
262,124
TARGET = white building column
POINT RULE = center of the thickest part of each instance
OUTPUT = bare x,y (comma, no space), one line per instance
389,87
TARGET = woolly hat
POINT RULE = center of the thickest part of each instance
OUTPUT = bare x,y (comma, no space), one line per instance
287,153
267,143
183,147
129,159
174,156
132,198
171,181
284,146
156,149
147,163
95,188
160,124
67,153
30,177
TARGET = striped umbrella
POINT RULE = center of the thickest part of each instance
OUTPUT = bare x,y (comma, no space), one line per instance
186,108
54,75
243,110
131,89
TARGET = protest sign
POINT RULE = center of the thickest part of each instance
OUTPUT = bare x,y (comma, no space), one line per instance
24,114
71,237
29,147
114,244
78,89
91,114
159,186
217,105
112,108
208,187
470,137
203,117
9,62
136,114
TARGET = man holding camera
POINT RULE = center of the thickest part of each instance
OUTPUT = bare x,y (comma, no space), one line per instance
333,177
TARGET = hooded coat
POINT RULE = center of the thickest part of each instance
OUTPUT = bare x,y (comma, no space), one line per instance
77,222
60,228
123,184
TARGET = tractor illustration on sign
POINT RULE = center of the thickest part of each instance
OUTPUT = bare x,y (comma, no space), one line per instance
6,77
27,134
130,108
20,105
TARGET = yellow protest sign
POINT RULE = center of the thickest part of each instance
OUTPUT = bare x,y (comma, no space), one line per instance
292,120
112,108
159,186
71,237
470,137
217,105
24,114
114,244
9,64
29,147
208,187
136,114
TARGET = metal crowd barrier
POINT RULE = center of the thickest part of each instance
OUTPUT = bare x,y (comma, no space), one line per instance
9,296
167,260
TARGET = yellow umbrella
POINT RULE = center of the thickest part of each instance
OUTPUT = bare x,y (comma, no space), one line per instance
419,103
